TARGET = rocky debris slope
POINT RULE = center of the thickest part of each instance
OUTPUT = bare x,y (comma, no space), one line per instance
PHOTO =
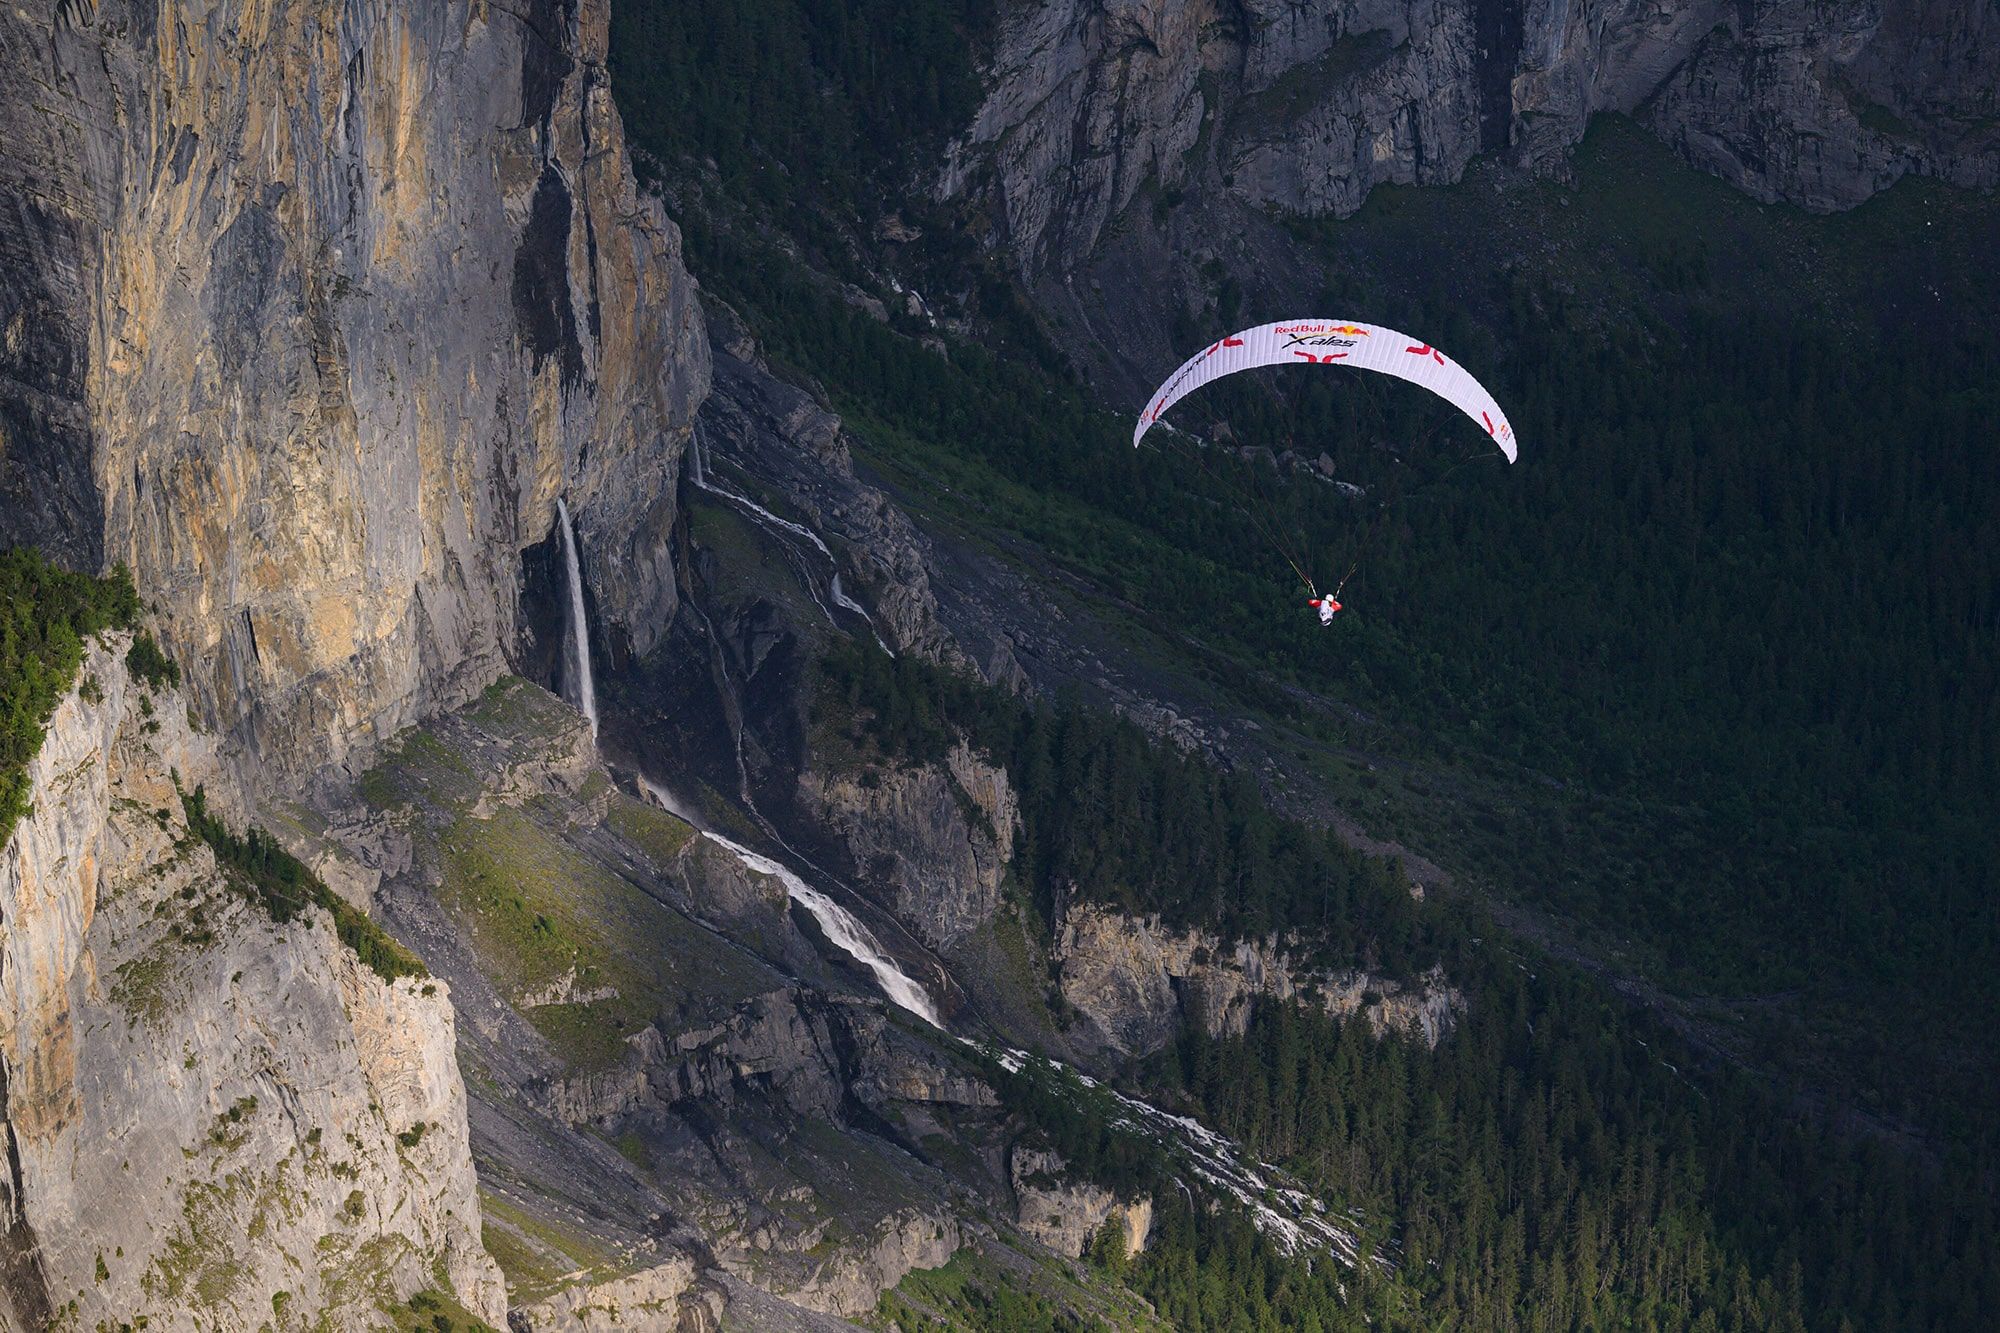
1132,982
1306,105
314,310
209,1117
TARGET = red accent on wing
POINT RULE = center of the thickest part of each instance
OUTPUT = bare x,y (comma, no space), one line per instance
1426,350
1232,342
1489,422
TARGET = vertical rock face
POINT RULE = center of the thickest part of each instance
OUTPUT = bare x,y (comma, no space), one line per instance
208,1117
1065,1215
938,838
1133,981
1306,105
311,311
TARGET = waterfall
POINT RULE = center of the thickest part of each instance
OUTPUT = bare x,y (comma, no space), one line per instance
840,598
845,930
1294,1219
698,473
579,655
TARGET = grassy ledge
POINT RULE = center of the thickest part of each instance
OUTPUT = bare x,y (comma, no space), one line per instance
281,884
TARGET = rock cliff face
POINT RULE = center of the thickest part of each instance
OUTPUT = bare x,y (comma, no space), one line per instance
1306,105
938,838
1066,1215
655,1297
1824,104
208,1117
1132,981
311,312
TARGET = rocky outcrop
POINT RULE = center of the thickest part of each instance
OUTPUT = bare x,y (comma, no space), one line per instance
1306,105
312,311
1065,1215
936,839
1132,982
852,1279
667,1296
208,1116
776,1043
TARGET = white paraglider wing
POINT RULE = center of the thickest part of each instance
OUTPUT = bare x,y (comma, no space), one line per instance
1335,342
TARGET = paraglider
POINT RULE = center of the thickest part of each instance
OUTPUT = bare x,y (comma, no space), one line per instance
1327,342
1331,342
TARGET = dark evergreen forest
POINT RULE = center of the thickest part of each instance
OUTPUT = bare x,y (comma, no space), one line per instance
1561,1160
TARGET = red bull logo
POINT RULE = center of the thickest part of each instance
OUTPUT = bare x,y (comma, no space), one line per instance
1318,334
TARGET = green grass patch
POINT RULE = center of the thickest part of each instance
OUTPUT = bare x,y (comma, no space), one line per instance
141,985
662,835
421,762
538,910
979,1292
538,1255
436,1311
632,1147
507,705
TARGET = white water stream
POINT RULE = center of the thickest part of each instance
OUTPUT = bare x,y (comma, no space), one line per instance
1295,1220
847,932
579,674
698,473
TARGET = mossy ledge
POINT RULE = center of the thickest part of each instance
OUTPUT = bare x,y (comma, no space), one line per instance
272,877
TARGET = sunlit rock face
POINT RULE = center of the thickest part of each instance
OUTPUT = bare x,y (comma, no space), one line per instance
309,312
1133,982
1306,105
937,838
207,1116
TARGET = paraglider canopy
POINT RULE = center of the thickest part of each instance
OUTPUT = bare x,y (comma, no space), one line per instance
1334,342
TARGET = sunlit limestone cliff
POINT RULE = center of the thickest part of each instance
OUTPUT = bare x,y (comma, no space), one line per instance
312,311
209,1116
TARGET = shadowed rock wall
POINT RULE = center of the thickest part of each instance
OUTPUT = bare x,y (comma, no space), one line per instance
1306,105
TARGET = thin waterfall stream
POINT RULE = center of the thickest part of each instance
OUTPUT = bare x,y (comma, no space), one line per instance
698,473
579,653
